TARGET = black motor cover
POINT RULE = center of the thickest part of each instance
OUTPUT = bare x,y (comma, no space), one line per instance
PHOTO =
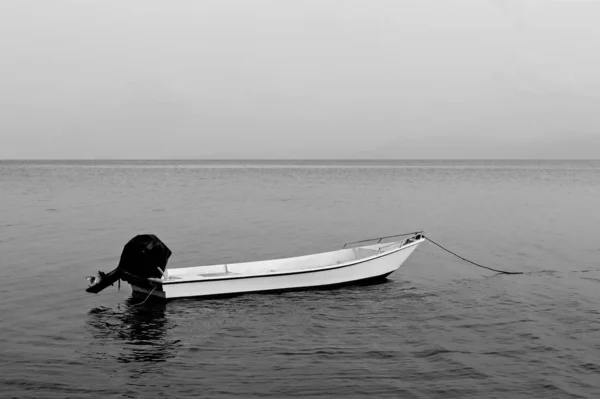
141,258
143,255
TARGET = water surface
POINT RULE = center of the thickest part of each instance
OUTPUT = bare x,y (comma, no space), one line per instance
438,328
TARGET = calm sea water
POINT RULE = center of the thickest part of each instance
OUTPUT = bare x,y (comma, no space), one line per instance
439,328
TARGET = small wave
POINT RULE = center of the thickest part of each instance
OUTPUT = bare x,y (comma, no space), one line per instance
594,279
437,352
590,367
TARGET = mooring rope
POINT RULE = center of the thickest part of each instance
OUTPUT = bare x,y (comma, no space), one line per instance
467,260
144,301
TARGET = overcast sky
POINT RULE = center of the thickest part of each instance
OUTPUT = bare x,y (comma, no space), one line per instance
299,79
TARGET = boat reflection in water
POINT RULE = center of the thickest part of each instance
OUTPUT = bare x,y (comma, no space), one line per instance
131,334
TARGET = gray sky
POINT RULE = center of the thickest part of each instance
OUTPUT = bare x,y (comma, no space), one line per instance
299,79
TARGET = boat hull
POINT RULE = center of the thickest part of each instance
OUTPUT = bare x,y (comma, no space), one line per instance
364,282
363,271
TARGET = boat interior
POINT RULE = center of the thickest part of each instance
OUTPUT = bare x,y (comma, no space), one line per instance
305,262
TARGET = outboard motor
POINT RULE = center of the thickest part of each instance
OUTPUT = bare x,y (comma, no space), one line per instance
143,256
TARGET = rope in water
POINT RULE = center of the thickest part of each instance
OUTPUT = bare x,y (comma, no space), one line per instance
110,293
144,301
469,261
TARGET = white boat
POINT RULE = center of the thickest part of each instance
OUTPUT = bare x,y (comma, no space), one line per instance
352,264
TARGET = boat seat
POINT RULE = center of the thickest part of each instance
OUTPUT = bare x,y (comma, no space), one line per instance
218,274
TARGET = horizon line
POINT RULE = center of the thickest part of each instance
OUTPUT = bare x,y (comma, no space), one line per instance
290,159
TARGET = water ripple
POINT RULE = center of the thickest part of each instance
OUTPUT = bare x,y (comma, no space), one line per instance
438,329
